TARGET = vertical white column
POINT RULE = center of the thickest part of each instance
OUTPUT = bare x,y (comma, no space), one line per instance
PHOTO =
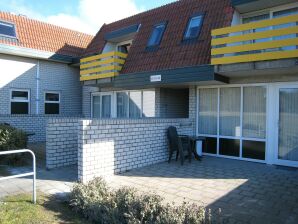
37,87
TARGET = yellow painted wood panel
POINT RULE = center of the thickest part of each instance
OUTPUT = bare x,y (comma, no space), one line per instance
255,25
255,57
120,54
102,62
254,36
98,76
98,56
101,69
104,55
255,46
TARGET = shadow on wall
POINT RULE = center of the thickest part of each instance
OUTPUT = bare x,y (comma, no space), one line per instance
20,73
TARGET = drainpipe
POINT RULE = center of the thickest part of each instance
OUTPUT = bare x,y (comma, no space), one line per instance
37,88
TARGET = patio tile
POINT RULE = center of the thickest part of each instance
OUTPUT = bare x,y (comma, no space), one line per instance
246,192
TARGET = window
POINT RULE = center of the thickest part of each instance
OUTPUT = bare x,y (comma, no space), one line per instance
19,101
233,121
7,29
52,103
102,105
123,104
135,104
193,27
156,35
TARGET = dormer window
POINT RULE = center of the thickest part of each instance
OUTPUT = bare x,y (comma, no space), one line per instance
7,29
156,35
193,27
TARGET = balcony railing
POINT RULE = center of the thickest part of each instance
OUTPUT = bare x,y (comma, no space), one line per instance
258,41
102,65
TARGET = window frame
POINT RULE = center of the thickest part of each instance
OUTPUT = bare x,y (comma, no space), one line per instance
14,29
242,138
155,46
52,102
114,102
190,39
19,101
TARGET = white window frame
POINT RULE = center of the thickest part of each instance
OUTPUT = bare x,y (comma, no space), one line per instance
56,102
19,101
14,27
100,94
114,101
240,138
270,11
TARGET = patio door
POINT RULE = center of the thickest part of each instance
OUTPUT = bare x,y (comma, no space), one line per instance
286,152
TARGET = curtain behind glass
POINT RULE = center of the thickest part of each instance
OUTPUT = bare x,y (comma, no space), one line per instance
254,112
106,106
229,113
135,104
207,114
96,106
122,104
288,124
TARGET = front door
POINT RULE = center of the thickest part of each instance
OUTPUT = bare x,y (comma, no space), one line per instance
286,152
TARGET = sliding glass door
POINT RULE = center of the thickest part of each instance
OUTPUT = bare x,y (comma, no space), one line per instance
233,120
287,130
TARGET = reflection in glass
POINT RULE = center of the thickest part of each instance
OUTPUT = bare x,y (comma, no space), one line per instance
229,147
253,150
288,124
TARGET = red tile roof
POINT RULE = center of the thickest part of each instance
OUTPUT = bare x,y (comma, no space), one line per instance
46,37
172,52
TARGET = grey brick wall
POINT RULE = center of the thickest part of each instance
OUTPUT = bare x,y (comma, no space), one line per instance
86,100
62,142
30,123
112,146
21,73
174,103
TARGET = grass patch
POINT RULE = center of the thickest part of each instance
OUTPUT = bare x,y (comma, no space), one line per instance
19,209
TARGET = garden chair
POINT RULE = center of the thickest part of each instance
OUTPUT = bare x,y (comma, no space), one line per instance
179,144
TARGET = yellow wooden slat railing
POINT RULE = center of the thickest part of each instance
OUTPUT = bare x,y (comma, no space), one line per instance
269,48
101,65
255,25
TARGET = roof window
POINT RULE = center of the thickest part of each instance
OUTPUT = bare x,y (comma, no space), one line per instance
193,27
156,35
7,29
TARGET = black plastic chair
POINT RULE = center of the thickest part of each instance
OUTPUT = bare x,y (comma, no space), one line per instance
179,144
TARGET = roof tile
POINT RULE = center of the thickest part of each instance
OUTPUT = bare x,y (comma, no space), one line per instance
46,37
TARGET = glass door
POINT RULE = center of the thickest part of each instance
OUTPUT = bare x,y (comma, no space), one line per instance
102,105
106,105
287,128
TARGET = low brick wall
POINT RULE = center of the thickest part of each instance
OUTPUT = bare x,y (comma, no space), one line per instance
62,142
30,123
106,147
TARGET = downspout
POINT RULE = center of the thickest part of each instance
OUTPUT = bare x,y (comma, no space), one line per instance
37,87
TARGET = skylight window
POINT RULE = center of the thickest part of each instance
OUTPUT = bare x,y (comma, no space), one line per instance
7,29
193,27
156,35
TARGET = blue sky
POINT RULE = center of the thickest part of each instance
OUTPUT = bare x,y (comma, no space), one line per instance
82,15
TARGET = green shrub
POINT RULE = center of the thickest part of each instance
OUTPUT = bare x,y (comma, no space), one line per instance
99,204
12,138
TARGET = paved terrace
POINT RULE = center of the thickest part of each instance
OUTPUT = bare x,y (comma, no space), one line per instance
245,192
